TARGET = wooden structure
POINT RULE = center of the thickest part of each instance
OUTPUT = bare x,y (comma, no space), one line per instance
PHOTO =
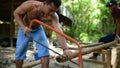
88,50
106,55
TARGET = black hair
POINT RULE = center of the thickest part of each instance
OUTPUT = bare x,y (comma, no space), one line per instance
57,3
111,3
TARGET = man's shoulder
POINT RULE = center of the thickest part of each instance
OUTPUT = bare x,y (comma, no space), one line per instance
31,2
116,13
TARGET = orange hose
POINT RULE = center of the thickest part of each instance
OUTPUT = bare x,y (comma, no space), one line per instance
62,34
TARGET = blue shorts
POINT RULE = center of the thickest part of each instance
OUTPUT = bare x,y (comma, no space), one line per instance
22,43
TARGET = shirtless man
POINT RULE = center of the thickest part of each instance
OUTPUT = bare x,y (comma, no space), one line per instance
43,11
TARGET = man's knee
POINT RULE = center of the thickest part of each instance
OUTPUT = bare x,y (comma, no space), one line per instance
45,59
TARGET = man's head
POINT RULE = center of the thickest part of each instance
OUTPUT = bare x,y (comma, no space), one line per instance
51,6
111,3
57,3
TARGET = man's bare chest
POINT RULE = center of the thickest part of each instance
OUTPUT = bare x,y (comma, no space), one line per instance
35,14
38,15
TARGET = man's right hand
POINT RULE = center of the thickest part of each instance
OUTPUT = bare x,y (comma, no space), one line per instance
27,31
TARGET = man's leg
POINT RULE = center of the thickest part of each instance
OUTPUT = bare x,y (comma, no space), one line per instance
45,62
43,53
21,48
19,63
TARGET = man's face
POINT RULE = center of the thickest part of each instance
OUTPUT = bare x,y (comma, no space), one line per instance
112,7
51,9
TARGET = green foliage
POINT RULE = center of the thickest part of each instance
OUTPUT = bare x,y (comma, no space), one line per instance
92,19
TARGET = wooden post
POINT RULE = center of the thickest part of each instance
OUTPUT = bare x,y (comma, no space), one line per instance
116,57
108,58
103,57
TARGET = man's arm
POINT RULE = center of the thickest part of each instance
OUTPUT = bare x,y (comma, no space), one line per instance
117,26
117,31
20,12
56,25
62,40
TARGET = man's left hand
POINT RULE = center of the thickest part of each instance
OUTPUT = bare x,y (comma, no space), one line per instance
68,53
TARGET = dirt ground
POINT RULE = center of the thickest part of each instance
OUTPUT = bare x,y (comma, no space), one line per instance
7,59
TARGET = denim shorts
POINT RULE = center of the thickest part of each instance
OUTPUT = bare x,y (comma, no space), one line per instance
37,34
